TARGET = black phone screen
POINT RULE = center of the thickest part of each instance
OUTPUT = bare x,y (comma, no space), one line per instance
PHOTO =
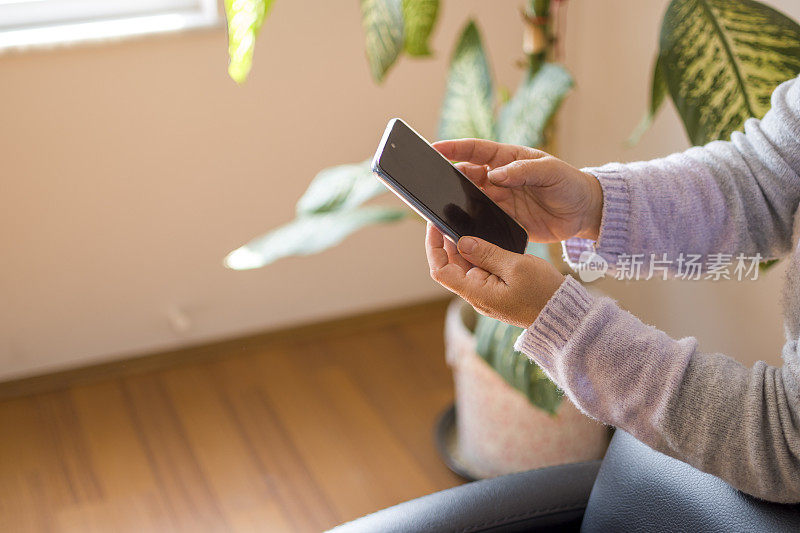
430,179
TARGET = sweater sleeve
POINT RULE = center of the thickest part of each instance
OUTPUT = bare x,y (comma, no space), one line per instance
742,425
728,197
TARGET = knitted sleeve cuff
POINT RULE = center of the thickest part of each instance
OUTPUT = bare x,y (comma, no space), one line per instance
549,333
613,238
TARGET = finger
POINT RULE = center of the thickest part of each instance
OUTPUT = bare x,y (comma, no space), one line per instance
434,248
535,172
478,277
480,288
453,255
488,256
483,152
475,173
451,275
483,287
478,151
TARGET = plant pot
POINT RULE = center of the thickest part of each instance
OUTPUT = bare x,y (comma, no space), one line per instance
498,431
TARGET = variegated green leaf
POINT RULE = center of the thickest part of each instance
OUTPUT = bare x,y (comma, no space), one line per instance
506,360
468,100
383,25
539,249
419,16
523,119
307,235
495,344
485,329
658,90
503,95
543,393
245,18
340,187
722,59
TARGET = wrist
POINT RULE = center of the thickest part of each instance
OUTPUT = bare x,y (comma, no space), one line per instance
593,213
545,339
545,283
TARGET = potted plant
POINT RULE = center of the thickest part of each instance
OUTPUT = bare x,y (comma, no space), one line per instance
718,61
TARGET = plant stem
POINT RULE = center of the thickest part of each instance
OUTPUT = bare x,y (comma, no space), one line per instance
538,34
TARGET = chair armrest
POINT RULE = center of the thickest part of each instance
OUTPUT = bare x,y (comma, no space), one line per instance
640,489
541,499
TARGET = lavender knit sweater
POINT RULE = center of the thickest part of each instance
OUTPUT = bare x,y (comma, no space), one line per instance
741,424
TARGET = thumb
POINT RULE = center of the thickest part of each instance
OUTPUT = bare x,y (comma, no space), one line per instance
487,256
521,172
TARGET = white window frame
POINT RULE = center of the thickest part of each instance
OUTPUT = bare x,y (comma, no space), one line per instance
205,13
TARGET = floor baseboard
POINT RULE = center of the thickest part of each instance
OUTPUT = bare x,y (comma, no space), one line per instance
156,361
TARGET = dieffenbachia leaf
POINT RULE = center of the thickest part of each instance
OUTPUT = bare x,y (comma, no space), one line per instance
420,16
467,108
542,392
539,249
383,25
658,90
340,187
523,119
722,60
495,344
308,234
245,18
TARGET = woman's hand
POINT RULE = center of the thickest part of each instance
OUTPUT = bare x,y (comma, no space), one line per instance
511,287
551,199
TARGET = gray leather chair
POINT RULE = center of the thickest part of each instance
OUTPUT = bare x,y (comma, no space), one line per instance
634,488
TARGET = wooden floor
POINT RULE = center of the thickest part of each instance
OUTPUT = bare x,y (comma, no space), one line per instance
287,434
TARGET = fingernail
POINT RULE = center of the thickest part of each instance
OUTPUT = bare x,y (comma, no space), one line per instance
467,244
498,175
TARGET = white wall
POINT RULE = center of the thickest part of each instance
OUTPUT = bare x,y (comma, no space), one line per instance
130,169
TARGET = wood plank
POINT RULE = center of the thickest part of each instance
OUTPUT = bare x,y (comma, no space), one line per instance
293,432
120,462
403,391
133,497
133,513
356,479
162,435
67,440
304,503
235,477
43,452
24,504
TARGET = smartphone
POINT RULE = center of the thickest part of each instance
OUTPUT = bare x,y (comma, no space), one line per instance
412,169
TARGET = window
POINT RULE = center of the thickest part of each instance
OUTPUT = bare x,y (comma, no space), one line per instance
26,23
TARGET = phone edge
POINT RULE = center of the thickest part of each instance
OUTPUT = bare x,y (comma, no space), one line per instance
398,189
